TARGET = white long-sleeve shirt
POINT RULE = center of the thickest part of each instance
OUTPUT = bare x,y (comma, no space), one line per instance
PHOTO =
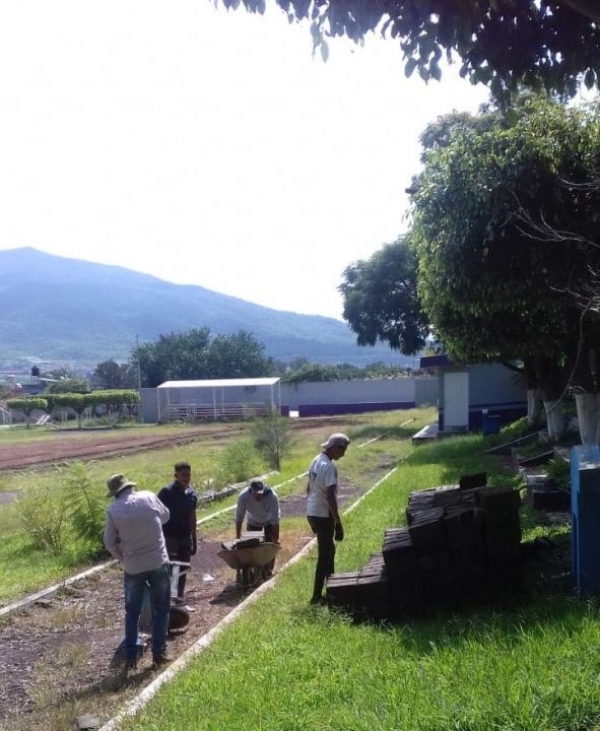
133,533
264,511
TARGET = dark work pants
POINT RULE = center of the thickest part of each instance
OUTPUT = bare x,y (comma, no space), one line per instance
180,549
323,528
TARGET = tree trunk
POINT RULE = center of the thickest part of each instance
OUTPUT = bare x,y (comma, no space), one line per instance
534,404
555,419
588,416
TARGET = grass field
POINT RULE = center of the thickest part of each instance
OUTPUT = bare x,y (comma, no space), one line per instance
530,666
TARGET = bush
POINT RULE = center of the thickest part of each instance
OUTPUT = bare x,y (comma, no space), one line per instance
271,438
559,472
239,461
44,513
56,517
87,507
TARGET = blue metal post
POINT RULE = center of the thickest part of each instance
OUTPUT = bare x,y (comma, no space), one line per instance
585,517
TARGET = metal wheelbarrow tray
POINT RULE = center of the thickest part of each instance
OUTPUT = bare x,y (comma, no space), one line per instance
252,563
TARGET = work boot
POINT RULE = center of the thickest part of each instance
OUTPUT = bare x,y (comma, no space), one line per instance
159,661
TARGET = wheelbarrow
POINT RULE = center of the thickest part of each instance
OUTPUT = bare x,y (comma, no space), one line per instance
251,558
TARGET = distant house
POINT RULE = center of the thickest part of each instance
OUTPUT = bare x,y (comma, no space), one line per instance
476,396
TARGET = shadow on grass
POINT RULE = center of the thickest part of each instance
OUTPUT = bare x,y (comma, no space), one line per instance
547,603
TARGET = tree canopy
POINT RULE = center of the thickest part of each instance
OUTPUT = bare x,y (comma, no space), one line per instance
380,299
492,289
199,355
110,374
503,43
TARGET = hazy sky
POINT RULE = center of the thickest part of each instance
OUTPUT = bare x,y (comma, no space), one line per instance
206,147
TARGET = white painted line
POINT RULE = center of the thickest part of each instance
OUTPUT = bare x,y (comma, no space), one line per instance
146,695
51,589
385,433
199,646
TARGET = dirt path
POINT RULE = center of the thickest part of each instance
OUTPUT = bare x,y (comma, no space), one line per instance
58,656
60,447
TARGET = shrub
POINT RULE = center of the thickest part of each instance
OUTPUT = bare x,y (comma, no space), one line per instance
559,472
238,461
87,507
44,513
271,438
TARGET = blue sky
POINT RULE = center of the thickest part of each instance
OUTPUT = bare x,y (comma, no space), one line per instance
207,147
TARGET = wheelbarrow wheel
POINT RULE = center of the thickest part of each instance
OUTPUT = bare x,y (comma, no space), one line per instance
249,576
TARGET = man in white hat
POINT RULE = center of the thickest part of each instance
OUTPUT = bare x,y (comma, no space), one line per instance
322,508
133,534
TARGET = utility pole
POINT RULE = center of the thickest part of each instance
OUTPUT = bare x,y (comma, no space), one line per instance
139,376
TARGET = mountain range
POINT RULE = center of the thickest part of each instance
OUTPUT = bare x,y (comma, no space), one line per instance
55,308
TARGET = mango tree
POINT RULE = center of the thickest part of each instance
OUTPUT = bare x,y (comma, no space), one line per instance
503,43
492,290
381,301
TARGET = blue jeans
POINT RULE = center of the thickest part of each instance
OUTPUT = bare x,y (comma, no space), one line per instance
159,586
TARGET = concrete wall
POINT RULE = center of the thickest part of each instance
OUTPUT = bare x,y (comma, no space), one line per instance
317,399
492,386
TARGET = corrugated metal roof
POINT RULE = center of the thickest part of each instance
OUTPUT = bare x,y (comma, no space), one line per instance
221,383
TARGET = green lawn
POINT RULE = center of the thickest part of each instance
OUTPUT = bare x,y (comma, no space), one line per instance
286,666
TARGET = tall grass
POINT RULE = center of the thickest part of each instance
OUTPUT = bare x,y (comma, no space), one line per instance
532,666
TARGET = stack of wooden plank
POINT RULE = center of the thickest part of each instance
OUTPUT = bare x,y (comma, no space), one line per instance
461,546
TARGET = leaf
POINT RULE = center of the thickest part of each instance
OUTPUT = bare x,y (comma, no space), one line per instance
411,65
512,117
435,70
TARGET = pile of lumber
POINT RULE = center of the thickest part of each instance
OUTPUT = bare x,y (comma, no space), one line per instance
461,546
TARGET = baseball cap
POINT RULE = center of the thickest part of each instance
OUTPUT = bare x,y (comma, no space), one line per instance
257,486
336,440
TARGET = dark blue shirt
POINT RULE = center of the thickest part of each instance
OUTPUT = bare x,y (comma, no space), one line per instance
181,506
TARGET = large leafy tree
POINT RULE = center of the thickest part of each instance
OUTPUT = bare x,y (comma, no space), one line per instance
198,355
503,43
380,299
237,355
491,288
110,374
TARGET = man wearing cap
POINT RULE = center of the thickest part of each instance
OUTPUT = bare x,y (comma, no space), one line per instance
133,534
260,503
322,508
180,529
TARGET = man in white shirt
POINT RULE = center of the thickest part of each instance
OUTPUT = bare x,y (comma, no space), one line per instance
134,536
322,508
260,503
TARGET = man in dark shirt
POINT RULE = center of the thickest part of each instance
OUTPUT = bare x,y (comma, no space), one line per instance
180,529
